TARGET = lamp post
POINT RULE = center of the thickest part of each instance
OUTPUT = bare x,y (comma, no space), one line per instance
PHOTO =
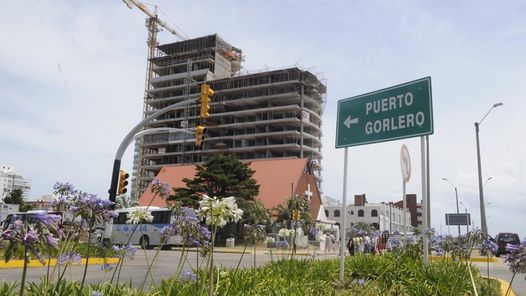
484,186
456,199
483,225
465,211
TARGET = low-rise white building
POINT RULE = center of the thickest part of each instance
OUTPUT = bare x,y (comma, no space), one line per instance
6,209
382,216
9,181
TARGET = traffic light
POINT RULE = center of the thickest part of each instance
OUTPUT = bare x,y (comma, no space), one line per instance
206,93
199,134
123,182
296,215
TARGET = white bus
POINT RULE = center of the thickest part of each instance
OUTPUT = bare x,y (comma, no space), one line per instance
147,235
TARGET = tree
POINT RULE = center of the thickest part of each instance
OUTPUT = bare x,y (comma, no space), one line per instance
16,197
222,175
362,228
125,201
297,204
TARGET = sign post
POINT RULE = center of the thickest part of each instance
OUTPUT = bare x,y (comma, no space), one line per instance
405,165
393,113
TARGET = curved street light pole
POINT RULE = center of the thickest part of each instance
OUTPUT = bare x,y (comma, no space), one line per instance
456,199
483,224
129,138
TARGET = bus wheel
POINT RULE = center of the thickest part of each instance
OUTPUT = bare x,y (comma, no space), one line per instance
145,243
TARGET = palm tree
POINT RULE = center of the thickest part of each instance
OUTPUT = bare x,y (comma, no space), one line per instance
125,201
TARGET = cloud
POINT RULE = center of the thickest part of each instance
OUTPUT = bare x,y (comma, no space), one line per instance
72,79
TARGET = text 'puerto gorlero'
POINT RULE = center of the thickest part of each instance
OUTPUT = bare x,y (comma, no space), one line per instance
402,121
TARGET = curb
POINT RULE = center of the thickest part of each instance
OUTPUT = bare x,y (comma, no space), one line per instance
473,259
53,262
503,286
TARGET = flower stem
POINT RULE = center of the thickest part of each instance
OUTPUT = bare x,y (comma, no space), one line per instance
211,270
24,272
92,220
511,282
127,243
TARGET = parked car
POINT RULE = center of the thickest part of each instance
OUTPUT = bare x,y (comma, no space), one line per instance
504,238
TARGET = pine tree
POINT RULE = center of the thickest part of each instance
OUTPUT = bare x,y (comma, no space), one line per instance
222,175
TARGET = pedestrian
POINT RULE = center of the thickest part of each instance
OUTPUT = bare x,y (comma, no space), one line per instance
367,243
350,246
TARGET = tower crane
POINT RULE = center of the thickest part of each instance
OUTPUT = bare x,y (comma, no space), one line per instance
152,24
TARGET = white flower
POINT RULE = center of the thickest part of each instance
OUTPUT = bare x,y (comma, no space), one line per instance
270,240
139,216
219,212
284,232
223,273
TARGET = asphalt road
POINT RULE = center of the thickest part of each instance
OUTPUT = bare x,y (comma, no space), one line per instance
135,270
500,270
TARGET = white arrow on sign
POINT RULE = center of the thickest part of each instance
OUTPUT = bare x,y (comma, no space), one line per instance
350,121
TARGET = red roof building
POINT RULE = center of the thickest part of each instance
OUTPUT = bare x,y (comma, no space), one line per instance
279,179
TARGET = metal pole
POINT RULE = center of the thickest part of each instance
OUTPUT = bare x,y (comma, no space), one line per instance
344,226
483,225
128,139
467,224
425,204
456,198
405,206
428,184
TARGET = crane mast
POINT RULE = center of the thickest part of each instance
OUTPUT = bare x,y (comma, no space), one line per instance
152,24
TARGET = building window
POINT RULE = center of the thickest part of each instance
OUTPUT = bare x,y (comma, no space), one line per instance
336,213
326,213
352,212
374,213
360,213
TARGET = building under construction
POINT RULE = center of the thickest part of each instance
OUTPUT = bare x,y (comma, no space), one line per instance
269,114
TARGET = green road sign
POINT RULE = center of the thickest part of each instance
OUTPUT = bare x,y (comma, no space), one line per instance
393,113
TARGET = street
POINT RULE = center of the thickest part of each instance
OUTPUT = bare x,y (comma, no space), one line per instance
500,270
135,270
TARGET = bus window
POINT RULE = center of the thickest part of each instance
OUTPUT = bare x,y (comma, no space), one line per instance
161,217
121,219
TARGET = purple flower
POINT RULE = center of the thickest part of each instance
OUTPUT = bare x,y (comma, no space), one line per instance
69,258
125,251
188,275
31,237
393,242
105,267
96,293
516,259
17,225
314,231
163,189
489,245
282,244
47,219
360,282
167,231
63,187
52,241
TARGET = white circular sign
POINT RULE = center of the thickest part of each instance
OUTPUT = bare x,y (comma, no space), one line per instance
405,163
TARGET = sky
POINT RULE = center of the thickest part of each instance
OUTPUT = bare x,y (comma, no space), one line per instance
72,81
